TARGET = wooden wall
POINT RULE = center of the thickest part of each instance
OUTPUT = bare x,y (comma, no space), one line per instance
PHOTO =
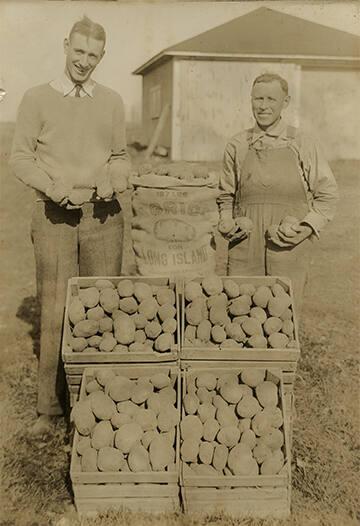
160,76
212,103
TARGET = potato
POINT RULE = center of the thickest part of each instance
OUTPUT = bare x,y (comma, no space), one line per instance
286,315
85,328
141,392
248,407
138,459
125,288
272,465
189,449
102,405
229,436
191,427
204,395
190,403
92,386
218,334
143,291
109,300
76,311
258,313
160,380
257,342
252,376
235,332
102,435
89,297
262,296
226,378
203,331
212,285
240,306
217,300
128,305
272,325
146,418
278,340
96,313
152,329
206,411
139,320
148,308
164,342
241,461
231,392
167,418
210,429
274,439
110,459
252,327
277,305
287,328
218,316
107,343
267,394
220,457
119,419
89,460
166,311
190,334
261,453
104,375
83,418
248,437
226,416
161,453
206,452
101,284
261,424
165,295
127,436
124,330
78,344
192,290
148,437
231,288
194,312
120,388
207,380
105,324
83,444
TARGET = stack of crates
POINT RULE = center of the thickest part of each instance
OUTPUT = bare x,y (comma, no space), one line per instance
261,495
257,495
96,491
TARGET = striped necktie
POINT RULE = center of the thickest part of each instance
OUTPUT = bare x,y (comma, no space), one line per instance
77,90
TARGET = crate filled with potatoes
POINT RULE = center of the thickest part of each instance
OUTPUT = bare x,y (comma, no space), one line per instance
119,320
234,444
126,440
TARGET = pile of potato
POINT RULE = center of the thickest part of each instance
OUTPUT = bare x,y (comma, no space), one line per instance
134,316
127,425
182,170
233,424
219,312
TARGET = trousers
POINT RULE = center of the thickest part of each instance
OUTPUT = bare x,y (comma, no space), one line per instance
68,243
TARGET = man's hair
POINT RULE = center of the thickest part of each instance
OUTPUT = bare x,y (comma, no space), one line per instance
88,28
270,77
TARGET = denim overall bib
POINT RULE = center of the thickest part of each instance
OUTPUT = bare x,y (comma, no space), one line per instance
270,189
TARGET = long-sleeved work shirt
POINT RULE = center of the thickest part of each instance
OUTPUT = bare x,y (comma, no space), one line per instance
60,136
318,180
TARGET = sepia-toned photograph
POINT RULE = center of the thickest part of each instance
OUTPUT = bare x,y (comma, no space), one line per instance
180,258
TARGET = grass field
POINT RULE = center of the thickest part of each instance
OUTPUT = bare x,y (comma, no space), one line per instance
36,489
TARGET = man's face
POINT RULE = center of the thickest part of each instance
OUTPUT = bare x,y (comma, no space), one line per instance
268,100
83,54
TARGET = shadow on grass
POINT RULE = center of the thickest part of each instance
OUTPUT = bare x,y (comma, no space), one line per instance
29,311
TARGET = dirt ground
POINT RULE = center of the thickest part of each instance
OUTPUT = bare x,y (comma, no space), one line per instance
36,488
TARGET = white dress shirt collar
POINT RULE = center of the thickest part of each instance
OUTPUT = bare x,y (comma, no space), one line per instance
67,86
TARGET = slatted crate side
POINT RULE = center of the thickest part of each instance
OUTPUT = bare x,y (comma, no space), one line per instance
68,356
192,352
142,491
256,496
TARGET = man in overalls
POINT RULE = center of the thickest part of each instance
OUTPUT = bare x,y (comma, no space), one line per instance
69,134
272,171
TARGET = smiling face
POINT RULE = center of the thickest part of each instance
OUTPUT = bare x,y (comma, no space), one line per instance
268,100
83,54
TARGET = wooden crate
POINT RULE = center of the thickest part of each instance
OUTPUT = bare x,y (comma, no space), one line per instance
258,496
74,362
283,359
143,491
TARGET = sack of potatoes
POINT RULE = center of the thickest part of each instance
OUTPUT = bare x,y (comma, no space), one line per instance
221,312
127,424
133,316
232,424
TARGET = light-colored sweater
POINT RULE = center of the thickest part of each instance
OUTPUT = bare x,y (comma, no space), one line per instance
73,138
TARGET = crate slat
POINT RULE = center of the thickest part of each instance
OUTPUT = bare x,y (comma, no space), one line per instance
146,504
124,490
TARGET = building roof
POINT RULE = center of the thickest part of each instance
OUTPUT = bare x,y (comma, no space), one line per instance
268,34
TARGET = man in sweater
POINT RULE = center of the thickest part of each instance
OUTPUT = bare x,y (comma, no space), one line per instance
70,147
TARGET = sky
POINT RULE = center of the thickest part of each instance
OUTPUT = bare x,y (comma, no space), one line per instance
32,34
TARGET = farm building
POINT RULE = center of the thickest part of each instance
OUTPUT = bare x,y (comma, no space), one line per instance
201,86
